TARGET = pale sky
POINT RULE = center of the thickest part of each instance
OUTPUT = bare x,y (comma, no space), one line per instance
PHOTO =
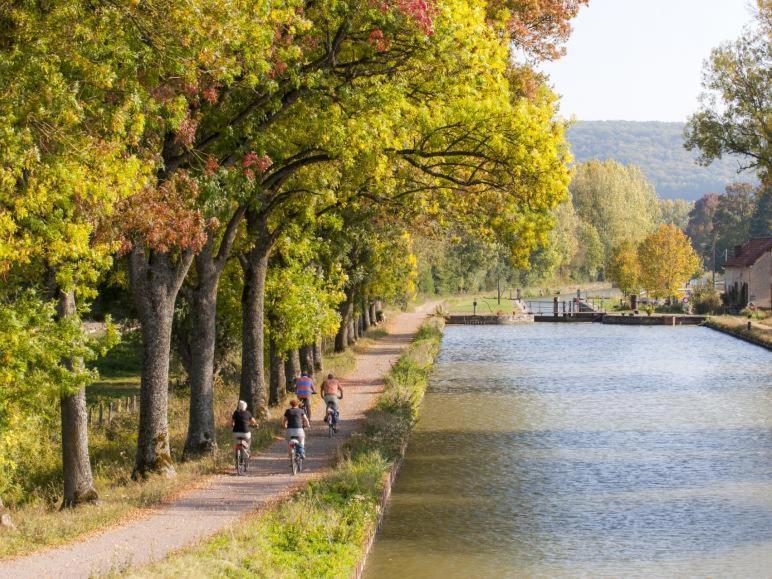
641,60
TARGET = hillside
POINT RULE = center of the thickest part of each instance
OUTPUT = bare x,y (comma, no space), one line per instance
657,148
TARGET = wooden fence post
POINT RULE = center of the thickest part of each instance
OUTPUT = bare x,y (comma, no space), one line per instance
101,413
110,414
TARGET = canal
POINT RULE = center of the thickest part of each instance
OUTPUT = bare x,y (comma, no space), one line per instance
586,450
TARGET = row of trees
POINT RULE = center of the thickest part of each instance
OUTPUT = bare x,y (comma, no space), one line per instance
247,168
609,203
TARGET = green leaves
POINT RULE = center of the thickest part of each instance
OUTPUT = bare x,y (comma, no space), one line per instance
35,346
737,102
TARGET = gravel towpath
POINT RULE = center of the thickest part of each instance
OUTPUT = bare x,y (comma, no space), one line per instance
225,498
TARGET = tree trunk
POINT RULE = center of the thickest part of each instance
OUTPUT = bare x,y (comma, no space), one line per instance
365,314
277,378
201,344
255,266
292,366
76,466
352,331
373,315
318,365
155,282
201,436
341,338
307,359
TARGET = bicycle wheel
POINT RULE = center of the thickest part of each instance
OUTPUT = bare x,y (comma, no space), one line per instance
241,465
300,464
330,428
294,462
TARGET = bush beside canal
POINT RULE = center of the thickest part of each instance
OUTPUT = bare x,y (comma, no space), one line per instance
322,531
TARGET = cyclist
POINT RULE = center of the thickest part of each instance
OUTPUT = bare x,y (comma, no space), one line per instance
304,389
241,421
294,421
332,391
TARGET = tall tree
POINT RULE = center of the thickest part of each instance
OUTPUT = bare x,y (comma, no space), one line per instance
667,261
615,199
625,269
733,216
761,222
737,99
675,212
63,166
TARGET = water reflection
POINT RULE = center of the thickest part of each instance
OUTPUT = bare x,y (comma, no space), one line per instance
566,450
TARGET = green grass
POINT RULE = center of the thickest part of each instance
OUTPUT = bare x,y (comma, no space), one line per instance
485,305
321,531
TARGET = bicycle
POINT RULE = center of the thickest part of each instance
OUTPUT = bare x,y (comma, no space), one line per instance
331,419
296,457
241,454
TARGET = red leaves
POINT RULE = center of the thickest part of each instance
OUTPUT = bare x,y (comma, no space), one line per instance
260,164
186,134
164,218
421,12
378,41
251,159
539,26
211,166
210,95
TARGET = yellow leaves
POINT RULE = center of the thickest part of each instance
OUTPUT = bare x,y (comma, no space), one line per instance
667,261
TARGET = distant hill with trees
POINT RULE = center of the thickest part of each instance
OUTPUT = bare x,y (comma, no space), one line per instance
657,148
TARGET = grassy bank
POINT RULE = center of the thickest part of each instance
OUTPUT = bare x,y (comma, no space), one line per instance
321,531
34,508
760,332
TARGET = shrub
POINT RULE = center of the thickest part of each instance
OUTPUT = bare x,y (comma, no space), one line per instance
706,300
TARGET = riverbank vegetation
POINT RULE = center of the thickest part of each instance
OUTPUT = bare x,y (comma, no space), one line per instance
756,329
322,531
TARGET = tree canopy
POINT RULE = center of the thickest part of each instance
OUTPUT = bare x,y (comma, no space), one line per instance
734,117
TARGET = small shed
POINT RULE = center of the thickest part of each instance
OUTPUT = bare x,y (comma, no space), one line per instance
748,274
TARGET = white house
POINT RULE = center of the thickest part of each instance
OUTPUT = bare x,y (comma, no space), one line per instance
748,274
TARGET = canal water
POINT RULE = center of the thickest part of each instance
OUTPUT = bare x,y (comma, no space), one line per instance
553,450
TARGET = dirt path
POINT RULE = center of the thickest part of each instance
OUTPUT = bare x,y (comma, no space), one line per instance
225,498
